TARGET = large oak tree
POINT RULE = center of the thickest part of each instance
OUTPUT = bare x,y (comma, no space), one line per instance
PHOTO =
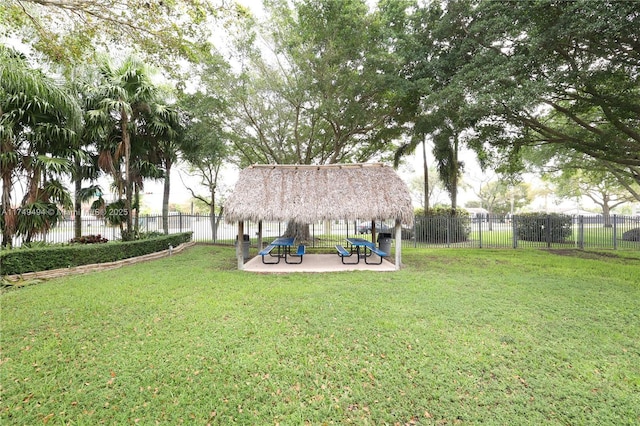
319,84
322,87
564,73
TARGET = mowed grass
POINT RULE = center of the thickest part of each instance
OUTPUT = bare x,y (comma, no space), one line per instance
455,337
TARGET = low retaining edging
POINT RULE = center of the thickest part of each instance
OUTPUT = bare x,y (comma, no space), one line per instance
83,269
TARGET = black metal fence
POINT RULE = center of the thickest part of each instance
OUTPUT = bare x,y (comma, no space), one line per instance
541,231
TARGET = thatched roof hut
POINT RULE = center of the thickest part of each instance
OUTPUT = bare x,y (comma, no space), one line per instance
308,194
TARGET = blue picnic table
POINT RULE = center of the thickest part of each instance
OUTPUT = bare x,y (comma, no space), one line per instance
282,245
362,249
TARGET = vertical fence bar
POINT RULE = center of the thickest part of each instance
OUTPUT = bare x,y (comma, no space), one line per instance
514,231
480,232
615,232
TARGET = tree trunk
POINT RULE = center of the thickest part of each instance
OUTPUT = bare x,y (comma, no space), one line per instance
77,207
134,218
165,197
425,167
327,227
454,174
606,212
212,216
7,211
299,231
126,140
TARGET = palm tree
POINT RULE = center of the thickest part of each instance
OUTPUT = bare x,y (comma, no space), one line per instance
418,138
85,155
39,120
127,93
166,133
446,148
144,166
40,209
443,124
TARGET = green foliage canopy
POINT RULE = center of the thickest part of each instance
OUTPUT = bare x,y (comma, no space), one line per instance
39,123
563,73
512,74
66,30
327,91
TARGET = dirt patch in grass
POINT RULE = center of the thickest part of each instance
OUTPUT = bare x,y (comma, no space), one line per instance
596,255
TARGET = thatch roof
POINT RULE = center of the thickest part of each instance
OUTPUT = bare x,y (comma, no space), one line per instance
308,194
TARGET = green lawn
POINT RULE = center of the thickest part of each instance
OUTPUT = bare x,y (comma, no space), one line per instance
455,337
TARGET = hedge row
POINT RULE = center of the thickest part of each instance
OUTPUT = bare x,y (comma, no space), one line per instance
552,228
20,261
443,225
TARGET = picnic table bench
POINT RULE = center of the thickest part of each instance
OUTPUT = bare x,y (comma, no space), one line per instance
267,252
381,254
343,252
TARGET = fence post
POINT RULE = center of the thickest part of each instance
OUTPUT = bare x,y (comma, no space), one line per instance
615,232
581,232
514,231
480,231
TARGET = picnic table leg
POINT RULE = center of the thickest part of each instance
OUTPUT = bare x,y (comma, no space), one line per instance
270,263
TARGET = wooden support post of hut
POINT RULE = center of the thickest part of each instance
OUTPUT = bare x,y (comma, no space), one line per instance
398,230
239,242
308,194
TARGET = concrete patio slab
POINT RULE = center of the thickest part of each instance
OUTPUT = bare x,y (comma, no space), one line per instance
316,263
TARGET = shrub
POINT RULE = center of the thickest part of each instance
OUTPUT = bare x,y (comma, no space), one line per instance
89,239
551,228
20,261
632,235
152,234
442,225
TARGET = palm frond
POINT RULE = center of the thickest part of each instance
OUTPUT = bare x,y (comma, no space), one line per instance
58,193
85,194
53,165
